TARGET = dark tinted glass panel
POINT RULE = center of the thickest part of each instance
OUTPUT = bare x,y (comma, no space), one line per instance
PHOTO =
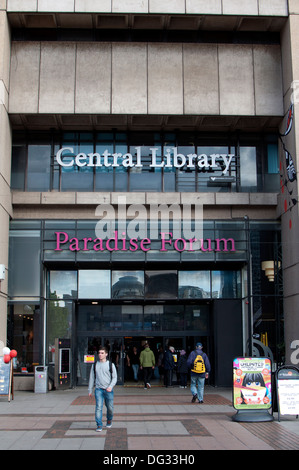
18,167
161,284
38,176
197,318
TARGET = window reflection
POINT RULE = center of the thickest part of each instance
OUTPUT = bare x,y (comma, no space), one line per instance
248,168
33,168
26,321
127,284
194,285
63,284
161,284
94,284
77,178
59,323
39,160
106,284
226,284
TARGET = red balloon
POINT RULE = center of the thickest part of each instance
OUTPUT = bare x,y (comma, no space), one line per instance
13,353
6,358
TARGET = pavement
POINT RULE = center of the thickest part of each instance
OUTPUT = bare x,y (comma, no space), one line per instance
157,421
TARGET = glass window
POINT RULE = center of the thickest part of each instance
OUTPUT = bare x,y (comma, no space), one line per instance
59,324
121,172
226,284
272,177
248,168
33,170
74,177
104,173
112,318
186,177
146,178
194,285
132,317
24,263
197,318
169,173
38,172
153,316
94,284
18,167
89,318
204,180
273,165
26,322
127,284
161,285
63,284
173,318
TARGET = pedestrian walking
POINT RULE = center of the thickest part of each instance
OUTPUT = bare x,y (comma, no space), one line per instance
133,361
103,377
169,366
183,369
200,367
147,364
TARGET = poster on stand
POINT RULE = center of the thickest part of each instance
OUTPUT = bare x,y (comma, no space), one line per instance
252,388
287,378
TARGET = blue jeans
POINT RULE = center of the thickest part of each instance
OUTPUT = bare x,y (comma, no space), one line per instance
102,395
197,386
135,368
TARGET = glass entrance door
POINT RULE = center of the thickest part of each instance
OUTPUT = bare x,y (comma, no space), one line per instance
87,350
117,355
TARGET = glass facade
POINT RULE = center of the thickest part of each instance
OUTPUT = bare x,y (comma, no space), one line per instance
144,161
83,298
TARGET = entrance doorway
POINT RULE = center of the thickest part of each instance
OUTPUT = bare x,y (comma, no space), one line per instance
90,336
88,347
124,351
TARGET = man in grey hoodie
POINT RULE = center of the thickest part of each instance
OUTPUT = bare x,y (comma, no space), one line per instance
106,378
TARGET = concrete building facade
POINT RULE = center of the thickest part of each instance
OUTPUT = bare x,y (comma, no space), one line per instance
219,76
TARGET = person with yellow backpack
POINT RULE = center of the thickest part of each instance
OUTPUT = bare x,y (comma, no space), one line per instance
200,367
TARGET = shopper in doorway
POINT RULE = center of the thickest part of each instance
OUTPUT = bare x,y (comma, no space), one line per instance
133,361
147,364
183,369
160,363
103,376
200,367
169,366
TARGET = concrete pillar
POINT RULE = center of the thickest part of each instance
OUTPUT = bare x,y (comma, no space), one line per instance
288,207
5,166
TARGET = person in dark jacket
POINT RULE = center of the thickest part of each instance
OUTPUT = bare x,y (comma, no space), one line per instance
169,365
183,369
198,378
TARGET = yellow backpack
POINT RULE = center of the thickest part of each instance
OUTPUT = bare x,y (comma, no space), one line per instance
199,365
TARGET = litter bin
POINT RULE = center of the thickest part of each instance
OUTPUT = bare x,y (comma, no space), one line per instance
41,379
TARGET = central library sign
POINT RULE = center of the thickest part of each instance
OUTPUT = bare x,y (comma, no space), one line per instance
66,158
